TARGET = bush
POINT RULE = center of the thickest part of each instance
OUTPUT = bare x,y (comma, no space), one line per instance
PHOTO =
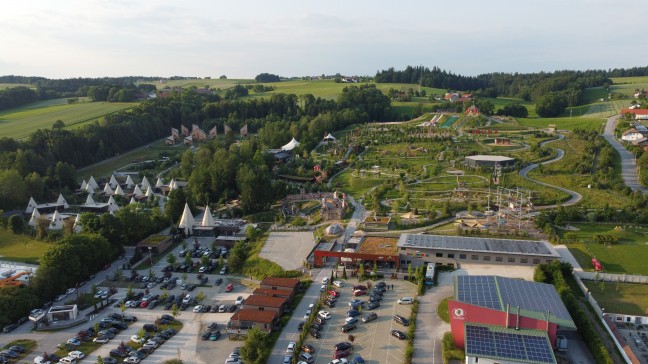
450,352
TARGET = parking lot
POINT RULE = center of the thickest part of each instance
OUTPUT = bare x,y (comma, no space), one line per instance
372,340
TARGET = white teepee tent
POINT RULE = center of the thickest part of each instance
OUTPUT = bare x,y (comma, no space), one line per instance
187,220
132,201
31,205
112,205
149,192
208,219
89,189
107,190
61,201
119,191
93,183
145,183
159,183
89,200
57,222
137,191
172,185
84,185
129,182
113,182
77,223
33,221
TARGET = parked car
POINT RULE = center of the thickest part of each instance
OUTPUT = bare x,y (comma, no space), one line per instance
338,284
324,314
344,345
239,300
307,348
314,333
398,334
101,339
353,313
405,301
351,320
74,341
215,335
348,327
373,305
359,293
218,281
401,320
229,287
150,327
76,354
369,317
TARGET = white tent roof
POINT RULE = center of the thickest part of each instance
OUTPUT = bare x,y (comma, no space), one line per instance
145,183
112,205
61,201
129,182
187,220
89,200
159,183
93,183
137,191
208,219
329,137
57,222
89,189
77,223
291,145
173,185
119,191
33,221
84,185
107,190
113,181
31,205
132,201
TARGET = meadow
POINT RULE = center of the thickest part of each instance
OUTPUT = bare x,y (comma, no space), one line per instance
21,248
20,122
626,298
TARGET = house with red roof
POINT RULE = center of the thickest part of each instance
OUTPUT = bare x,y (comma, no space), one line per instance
266,303
638,114
246,319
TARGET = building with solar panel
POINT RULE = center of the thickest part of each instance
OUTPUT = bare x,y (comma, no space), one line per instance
419,249
505,320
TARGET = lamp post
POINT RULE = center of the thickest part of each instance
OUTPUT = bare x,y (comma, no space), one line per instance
151,255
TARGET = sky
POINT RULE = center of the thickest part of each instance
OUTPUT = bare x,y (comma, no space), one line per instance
240,39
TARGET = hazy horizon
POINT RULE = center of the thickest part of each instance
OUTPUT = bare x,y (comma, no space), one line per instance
201,38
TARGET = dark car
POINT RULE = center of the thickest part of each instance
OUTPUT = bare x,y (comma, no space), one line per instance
376,292
231,308
353,313
120,325
300,327
150,327
314,333
206,335
345,345
360,287
381,284
401,320
116,353
17,348
399,334
307,348
218,281
170,299
109,360
9,328
167,317
375,298
9,354
369,317
168,306
341,354
318,320
348,327
317,327
373,305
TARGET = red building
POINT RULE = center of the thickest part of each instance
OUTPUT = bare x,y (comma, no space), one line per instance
503,319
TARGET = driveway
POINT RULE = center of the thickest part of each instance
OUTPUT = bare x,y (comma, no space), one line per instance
429,327
628,164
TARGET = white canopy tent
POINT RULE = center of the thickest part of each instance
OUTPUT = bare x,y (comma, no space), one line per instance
329,138
89,200
291,145
137,191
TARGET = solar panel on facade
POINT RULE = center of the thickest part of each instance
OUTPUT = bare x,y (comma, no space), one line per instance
482,342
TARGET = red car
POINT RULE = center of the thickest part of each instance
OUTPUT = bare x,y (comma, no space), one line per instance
341,354
144,304
359,292
334,293
229,288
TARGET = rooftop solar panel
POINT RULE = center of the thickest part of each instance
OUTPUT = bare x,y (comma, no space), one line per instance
481,341
478,290
532,296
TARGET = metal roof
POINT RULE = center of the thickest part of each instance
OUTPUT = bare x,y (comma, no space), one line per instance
524,346
490,158
489,245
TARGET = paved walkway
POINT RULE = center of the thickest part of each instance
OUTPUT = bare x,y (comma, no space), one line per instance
429,327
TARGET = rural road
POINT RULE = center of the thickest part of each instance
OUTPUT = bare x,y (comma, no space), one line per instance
575,196
628,164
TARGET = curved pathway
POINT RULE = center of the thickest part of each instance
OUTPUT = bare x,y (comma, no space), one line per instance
628,163
575,196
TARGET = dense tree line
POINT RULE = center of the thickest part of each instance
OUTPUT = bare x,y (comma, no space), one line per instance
16,96
267,77
515,110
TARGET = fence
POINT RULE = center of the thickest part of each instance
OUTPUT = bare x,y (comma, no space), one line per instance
610,277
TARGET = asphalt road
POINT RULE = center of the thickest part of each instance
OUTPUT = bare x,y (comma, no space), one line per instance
628,164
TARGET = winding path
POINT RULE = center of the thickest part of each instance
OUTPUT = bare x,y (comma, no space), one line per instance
575,196
628,163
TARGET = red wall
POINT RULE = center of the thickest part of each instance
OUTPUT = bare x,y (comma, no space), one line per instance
461,313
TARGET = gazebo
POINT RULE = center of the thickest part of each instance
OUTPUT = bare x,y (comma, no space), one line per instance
291,145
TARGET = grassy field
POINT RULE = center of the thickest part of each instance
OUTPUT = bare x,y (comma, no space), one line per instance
212,83
20,248
11,85
566,123
626,298
20,122
629,256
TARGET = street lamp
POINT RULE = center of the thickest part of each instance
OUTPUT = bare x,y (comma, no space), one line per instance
150,255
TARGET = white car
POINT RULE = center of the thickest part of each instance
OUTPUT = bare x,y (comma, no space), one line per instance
405,301
132,359
197,308
291,347
338,284
74,341
137,339
323,288
76,354
325,315
325,280
239,300
339,361
101,339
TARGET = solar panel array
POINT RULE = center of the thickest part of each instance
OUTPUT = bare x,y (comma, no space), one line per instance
481,341
532,296
478,290
490,245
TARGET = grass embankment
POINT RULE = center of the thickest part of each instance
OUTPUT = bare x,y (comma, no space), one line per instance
442,310
260,268
21,248
626,298
22,121
29,345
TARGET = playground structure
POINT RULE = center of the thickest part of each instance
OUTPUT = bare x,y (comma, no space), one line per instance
512,205
14,281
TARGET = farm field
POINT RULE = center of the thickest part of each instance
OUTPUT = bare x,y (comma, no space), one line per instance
20,122
20,248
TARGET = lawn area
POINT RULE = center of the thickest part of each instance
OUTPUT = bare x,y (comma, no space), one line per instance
20,122
442,310
20,248
565,123
629,256
212,83
11,85
626,298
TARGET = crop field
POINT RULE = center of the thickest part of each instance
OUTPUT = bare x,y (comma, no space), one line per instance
20,248
20,122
